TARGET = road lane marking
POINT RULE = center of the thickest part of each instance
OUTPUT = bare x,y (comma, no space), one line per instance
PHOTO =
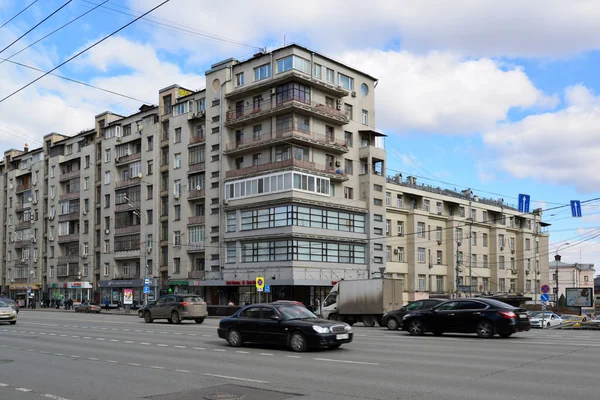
100,338
182,370
59,354
266,354
3,385
129,341
51,396
63,335
112,361
199,348
293,357
180,347
93,358
133,364
74,336
235,378
86,337
207,335
242,352
74,356
219,350
114,340
162,345
155,367
345,361
145,344
23,390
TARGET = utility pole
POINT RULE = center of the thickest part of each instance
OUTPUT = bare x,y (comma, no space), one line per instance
557,258
470,249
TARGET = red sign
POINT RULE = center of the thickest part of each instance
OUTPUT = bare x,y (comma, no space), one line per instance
240,283
76,284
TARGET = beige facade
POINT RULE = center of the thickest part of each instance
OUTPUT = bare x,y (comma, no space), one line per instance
570,275
443,243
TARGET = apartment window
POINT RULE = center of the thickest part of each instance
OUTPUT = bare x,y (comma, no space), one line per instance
177,161
231,221
348,167
474,238
378,260
439,257
176,212
474,214
87,162
378,188
262,72
377,217
377,202
421,229
239,79
388,199
177,238
474,260
231,255
399,201
528,286
528,268
388,226
177,135
106,200
107,246
501,241
256,159
107,177
378,246
317,71
150,143
486,284
348,193
512,263
426,205
295,62
86,183
421,282
513,285
537,247
107,155
484,239
53,171
400,254
348,138
501,262
346,82
512,243
388,253
365,117
421,254
485,261
176,265
106,269
329,75
149,217
378,231
348,110
527,244
502,285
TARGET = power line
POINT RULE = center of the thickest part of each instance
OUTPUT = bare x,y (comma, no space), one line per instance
54,31
19,13
83,51
36,25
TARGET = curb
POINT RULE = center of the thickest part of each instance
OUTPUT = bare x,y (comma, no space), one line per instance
133,313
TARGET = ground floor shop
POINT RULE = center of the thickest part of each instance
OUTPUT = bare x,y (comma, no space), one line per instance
126,292
76,291
242,292
24,293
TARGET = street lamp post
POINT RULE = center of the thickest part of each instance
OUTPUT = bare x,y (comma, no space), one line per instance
139,214
557,260
458,243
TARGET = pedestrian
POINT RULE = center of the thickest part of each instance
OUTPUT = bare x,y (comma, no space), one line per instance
118,305
231,304
106,304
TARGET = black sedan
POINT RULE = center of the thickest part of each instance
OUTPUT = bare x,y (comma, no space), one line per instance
393,319
486,317
284,324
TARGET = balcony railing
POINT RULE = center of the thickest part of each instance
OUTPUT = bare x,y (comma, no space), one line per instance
164,268
128,182
199,166
281,102
69,175
22,188
270,137
23,225
195,247
69,238
72,216
131,157
22,243
20,208
196,220
126,277
126,207
195,194
70,196
127,229
197,139
196,274
68,259
307,165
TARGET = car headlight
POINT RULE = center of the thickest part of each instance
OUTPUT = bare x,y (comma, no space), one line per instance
347,328
320,329
13,312
406,316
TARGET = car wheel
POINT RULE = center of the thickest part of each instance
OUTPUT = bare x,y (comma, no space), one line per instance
438,333
298,342
234,338
368,320
505,335
148,317
333,317
13,322
140,314
175,317
392,324
485,329
416,328
548,325
199,320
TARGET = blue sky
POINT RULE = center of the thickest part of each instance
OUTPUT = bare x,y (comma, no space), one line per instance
499,97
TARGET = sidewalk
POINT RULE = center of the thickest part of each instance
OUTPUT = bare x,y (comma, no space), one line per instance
131,313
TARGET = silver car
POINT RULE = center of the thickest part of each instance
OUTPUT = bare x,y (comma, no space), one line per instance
15,306
7,313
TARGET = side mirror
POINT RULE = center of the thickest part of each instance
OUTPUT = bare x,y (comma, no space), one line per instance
275,317
403,308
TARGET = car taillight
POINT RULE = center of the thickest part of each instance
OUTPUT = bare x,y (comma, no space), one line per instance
185,303
507,314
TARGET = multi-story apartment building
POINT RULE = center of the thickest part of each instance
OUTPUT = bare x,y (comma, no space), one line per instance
570,275
447,243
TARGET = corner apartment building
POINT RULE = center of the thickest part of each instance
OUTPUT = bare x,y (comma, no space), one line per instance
570,275
446,243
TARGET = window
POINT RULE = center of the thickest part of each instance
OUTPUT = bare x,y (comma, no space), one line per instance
378,260
177,135
501,241
348,167
329,75
439,257
388,253
501,285
485,261
295,62
377,188
231,255
87,162
107,246
345,81
377,217
107,177
421,254
177,238
86,183
377,202
107,155
239,79
400,228
365,117
176,212
348,193
302,250
421,282
262,72
501,262
106,200
317,71
474,214
527,244
474,238
388,226
400,254
348,110
348,138
484,239
474,260
388,199
150,143
399,201
421,229
177,161
176,265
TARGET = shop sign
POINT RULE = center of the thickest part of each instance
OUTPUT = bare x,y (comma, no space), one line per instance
179,283
120,284
240,283
26,286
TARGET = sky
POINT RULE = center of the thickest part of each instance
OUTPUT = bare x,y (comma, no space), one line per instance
502,97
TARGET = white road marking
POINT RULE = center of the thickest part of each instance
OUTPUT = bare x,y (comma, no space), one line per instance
266,354
155,367
75,336
62,335
86,337
176,333
293,357
112,361
149,331
59,354
180,347
162,345
134,364
182,370
164,333
128,341
235,378
52,334
51,396
74,356
93,358
345,361
114,340
23,390
242,352
100,338
41,333
3,385
29,350
145,344
219,350
199,348
207,335
191,334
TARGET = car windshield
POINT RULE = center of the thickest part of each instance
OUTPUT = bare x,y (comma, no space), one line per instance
9,301
193,299
290,312
3,304
499,304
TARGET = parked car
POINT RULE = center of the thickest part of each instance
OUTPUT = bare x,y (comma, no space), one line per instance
88,307
596,320
545,320
176,308
143,308
486,317
393,319
7,313
283,324
15,306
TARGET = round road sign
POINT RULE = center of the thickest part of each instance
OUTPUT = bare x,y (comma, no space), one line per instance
545,289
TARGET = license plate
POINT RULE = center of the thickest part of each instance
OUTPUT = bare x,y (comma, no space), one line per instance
342,336
523,315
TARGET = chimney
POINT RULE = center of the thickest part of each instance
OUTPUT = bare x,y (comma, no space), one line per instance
26,148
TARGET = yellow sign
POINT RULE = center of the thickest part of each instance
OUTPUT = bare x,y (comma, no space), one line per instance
183,92
260,282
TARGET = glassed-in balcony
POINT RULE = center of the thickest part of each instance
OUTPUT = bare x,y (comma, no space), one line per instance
69,175
128,158
294,101
294,136
318,169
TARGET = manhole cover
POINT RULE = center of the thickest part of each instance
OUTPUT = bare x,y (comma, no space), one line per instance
5,361
224,396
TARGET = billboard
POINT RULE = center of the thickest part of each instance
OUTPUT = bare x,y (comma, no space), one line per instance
127,296
580,297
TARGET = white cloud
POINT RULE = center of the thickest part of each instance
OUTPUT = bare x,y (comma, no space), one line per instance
442,93
559,147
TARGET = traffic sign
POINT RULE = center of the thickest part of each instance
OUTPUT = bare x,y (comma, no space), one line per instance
260,283
545,289
545,297
147,281
576,208
170,290
524,200
543,307
260,289
146,289
267,288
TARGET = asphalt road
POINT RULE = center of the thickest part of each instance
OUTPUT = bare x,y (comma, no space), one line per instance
80,356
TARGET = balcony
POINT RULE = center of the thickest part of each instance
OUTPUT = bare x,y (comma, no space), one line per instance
199,166
127,253
281,78
24,225
69,238
164,268
125,159
126,207
22,188
195,247
197,139
195,194
196,220
279,105
308,166
293,136
22,243
72,216
126,277
367,150
128,182
164,167
23,171
20,209
197,115
68,259
196,274
127,230
70,196
69,175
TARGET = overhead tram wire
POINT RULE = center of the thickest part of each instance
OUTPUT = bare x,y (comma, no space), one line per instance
83,51
53,32
19,13
36,25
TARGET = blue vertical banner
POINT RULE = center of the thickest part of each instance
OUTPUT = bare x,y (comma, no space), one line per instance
576,208
524,201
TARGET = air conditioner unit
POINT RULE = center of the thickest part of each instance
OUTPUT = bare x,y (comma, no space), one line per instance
202,113
51,217
458,243
34,260
338,163
272,91
34,240
32,221
149,250
50,239
338,104
35,201
439,241
84,255
176,195
527,272
22,260
501,248
107,231
400,234
127,152
84,212
396,251
512,251
34,183
353,94
198,187
439,213
118,138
